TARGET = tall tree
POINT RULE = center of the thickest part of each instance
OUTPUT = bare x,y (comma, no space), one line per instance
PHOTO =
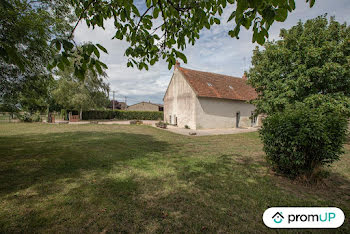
311,61
77,94
303,84
26,30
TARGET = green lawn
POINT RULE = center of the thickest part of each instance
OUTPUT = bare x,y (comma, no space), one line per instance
114,178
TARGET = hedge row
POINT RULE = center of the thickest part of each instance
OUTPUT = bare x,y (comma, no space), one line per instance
122,115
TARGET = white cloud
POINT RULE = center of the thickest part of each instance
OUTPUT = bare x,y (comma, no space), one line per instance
215,51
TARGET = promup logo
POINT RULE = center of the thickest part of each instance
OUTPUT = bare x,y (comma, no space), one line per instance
303,217
278,217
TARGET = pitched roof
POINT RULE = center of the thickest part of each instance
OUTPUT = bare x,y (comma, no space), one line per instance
160,105
207,84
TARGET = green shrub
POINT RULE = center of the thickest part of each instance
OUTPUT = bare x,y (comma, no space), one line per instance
122,115
63,114
27,117
298,141
137,122
36,117
161,124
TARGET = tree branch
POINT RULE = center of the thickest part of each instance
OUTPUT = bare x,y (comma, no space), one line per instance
178,8
165,23
141,17
155,29
80,18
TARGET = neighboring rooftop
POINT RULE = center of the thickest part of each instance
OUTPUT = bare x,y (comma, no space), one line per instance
207,84
117,105
160,105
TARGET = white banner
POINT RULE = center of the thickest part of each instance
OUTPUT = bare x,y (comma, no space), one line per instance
303,217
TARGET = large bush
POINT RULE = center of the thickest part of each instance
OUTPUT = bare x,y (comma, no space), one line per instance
122,115
299,140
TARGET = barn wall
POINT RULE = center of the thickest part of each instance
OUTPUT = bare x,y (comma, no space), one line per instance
221,113
179,102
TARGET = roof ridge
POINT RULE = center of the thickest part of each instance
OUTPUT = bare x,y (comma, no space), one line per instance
209,84
235,77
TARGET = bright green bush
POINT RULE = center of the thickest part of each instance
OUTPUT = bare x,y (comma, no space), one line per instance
122,115
299,140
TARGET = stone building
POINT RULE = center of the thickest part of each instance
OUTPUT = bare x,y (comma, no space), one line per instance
146,106
208,100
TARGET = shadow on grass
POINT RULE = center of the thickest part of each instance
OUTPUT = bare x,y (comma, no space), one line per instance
110,182
44,158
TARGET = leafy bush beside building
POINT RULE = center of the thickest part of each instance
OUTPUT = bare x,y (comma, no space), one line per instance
298,141
304,89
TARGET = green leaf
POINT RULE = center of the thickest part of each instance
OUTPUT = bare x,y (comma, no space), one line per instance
15,58
58,45
65,60
172,41
102,48
260,38
292,4
153,61
233,15
67,45
281,14
181,56
135,10
156,12
96,52
169,65
98,68
312,2
60,65
103,65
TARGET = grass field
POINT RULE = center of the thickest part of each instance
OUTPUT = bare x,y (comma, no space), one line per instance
114,178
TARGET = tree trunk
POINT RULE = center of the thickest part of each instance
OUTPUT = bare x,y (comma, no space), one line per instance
81,114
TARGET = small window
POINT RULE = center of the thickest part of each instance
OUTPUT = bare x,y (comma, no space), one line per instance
230,87
209,84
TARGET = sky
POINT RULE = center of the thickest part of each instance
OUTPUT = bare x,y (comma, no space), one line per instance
215,51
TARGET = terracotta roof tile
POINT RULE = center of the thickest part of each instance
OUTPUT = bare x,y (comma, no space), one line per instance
207,84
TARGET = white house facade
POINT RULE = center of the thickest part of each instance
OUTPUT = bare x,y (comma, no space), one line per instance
204,100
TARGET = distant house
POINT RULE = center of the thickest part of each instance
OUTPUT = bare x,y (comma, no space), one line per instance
208,100
117,105
146,106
